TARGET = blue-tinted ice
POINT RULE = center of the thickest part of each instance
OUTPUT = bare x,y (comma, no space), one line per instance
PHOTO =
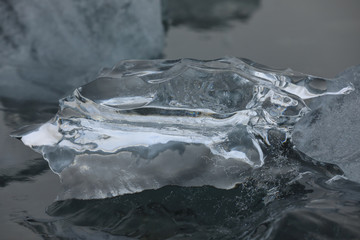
147,124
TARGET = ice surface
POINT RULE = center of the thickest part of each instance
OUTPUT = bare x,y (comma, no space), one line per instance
147,124
50,47
330,132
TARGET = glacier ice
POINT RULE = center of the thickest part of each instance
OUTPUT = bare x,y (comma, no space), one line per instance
145,124
207,14
330,132
52,47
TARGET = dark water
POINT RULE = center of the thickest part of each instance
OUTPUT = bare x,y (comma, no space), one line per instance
290,197
275,202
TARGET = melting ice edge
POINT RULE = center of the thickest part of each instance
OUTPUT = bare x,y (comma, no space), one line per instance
145,124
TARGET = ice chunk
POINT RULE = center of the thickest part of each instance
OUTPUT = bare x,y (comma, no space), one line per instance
146,124
50,47
207,14
330,132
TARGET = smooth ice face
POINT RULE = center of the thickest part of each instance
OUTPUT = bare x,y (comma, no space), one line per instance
146,124
330,133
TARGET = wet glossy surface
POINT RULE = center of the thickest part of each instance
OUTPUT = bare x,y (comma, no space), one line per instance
319,38
147,124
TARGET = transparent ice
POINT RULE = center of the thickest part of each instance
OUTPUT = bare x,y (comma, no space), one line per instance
147,124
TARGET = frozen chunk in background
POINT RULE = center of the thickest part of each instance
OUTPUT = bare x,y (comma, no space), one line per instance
331,131
49,47
145,124
207,14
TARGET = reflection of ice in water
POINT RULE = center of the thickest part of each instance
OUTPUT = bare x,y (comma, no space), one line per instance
146,124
